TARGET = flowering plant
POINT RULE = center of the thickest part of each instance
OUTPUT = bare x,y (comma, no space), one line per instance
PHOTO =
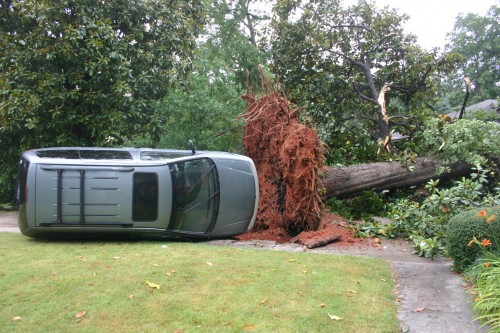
471,235
485,243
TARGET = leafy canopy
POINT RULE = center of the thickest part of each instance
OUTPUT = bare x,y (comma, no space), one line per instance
350,67
235,36
88,72
476,39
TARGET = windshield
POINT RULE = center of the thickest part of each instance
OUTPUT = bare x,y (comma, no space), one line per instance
195,198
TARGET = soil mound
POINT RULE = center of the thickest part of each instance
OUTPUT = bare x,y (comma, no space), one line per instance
332,228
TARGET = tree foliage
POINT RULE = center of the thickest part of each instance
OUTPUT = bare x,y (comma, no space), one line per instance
469,140
476,39
204,110
88,72
234,35
350,66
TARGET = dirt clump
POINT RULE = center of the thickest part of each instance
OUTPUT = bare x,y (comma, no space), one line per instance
331,226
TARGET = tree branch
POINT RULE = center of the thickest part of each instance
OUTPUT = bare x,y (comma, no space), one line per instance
361,95
359,26
466,97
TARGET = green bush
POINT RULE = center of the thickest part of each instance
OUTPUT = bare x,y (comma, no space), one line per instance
472,233
361,207
424,220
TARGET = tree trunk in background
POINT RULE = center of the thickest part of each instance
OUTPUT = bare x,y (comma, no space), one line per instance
350,181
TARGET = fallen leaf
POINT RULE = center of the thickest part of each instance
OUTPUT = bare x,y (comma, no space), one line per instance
444,209
382,280
16,318
80,314
419,309
209,263
264,301
291,260
304,271
116,258
153,285
130,296
156,265
334,317
250,328
322,305
351,291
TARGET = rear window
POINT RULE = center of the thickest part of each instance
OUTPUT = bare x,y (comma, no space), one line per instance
21,190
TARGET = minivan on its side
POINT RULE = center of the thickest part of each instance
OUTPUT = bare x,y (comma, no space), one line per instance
75,190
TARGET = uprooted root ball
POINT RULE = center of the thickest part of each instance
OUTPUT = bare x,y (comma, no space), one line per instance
288,158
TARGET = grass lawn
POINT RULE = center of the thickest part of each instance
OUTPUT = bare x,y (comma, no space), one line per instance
103,287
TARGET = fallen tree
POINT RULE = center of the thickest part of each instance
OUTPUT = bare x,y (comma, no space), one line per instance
293,182
350,181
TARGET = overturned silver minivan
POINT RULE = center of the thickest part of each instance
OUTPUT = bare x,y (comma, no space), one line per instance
89,191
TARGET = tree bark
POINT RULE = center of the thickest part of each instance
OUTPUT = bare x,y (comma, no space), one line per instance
350,181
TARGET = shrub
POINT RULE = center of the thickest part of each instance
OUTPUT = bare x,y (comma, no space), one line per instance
425,220
485,275
463,139
470,234
361,207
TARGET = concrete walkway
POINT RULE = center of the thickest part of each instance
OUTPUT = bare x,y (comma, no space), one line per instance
430,297
8,222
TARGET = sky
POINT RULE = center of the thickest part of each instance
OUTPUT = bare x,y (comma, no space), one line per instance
430,20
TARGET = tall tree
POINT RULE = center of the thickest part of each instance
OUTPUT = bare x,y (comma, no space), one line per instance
476,39
348,64
85,72
234,36
205,109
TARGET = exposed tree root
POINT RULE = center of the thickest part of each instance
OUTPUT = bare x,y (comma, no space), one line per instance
288,157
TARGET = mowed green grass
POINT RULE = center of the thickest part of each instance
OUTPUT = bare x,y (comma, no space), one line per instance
103,287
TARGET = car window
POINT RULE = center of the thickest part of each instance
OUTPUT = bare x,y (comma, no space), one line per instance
145,196
85,154
195,198
158,156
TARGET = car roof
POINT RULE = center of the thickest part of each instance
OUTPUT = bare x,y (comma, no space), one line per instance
122,156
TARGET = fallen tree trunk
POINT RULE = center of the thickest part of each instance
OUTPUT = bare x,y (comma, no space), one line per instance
350,181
